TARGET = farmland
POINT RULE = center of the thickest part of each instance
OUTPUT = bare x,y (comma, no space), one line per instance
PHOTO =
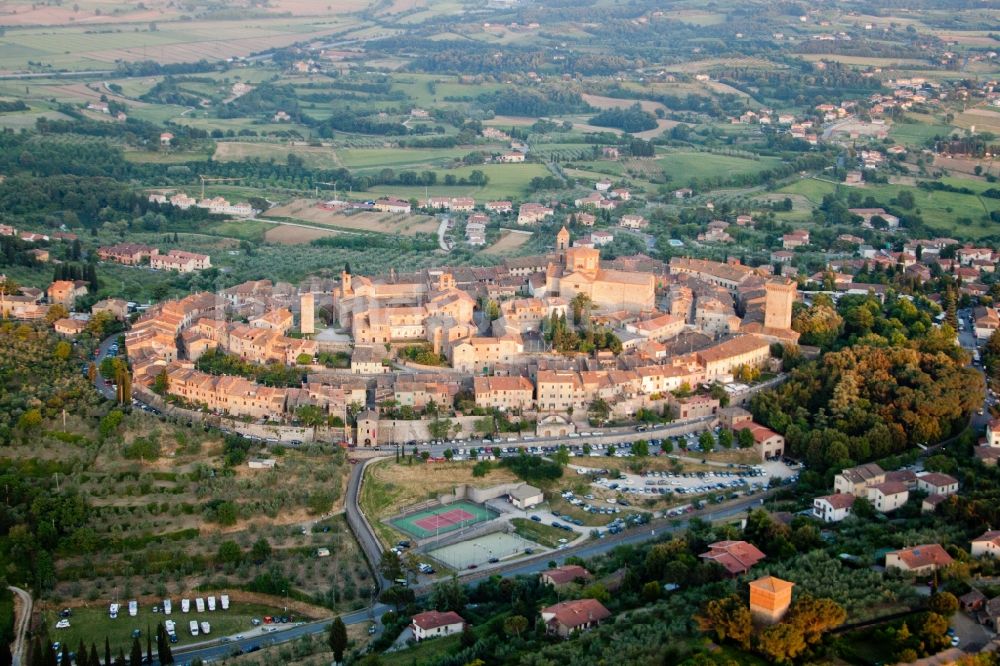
316,157
506,181
681,167
308,211
509,242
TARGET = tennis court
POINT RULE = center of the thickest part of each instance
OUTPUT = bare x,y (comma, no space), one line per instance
442,519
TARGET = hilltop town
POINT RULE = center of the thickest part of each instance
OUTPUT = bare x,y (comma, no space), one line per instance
519,332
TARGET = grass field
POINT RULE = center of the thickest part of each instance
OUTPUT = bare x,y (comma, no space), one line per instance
74,47
544,535
683,166
399,158
506,181
93,624
949,213
917,133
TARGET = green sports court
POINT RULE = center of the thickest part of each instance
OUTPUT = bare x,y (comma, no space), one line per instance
442,519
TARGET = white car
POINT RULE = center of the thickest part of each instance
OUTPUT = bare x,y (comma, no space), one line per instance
62,624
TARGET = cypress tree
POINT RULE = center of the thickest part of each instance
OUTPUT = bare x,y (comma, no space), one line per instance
136,655
94,659
107,652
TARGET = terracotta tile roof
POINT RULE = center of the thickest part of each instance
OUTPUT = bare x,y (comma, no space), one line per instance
924,555
891,487
736,556
434,619
839,500
577,613
771,584
566,574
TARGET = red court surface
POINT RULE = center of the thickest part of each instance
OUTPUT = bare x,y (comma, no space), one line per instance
444,519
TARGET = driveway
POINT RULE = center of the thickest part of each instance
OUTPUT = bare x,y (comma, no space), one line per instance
973,636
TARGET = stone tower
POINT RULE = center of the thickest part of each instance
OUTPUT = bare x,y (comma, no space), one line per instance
778,303
307,314
770,598
562,240
345,282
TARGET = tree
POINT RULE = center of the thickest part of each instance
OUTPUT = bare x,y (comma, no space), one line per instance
448,454
745,438
728,619
814,617
943,603
56,311
468,638
726,438
338,639
640,448
706,441
514,625
484,426
136,654
229,553
161,384
651,591
398,596
449,595
390,566
261,550
781,643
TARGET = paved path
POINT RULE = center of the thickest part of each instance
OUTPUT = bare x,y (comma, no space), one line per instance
443,228
20,625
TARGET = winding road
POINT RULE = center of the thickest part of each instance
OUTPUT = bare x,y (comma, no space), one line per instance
21,625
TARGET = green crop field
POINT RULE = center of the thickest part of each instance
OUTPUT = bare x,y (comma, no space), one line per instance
917,133
506,181
398,158
683,166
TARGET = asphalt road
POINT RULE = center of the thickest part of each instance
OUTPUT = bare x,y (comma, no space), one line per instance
102,351
530,566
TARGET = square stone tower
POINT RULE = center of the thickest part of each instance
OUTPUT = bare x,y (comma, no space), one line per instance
307,316
778,303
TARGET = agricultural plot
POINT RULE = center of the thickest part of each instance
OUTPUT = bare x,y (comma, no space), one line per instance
287,234
74,48
916,134
506,181
307,210
981,119
681,167
510,241
314,157
400,158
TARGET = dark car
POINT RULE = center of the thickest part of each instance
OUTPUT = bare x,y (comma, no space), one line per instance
537,519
